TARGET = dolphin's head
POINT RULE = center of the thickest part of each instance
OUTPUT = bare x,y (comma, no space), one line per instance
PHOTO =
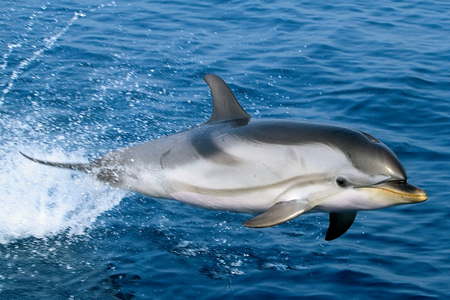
373,177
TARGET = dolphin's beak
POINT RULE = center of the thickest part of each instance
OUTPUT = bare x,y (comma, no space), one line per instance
401,190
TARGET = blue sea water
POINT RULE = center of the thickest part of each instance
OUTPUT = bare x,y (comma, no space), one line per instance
80,78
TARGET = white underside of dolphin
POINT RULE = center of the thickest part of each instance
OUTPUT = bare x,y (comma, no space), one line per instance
280,169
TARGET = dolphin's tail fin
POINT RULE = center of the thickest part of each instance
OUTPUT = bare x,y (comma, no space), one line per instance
84,167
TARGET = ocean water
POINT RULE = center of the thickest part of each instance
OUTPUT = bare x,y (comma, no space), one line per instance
80,78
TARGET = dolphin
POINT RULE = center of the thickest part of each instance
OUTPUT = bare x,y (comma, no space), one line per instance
277,169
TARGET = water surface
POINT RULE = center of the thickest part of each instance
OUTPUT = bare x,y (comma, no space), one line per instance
79,78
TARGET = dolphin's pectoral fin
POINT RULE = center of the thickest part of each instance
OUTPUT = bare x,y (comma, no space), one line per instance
339,224
279,213
225,105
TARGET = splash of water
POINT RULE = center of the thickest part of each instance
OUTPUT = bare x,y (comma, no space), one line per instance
39,201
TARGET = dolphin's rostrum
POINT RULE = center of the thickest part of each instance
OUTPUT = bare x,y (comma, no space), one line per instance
278,168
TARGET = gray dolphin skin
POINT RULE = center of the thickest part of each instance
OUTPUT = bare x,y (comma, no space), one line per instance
278,169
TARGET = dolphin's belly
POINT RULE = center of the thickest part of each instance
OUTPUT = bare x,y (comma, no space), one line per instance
255,199
250,177
244,202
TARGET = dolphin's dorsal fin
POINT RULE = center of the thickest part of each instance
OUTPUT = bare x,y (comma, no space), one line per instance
225,105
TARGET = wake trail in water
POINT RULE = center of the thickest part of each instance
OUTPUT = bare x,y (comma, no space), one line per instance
48,44
28,27
11,48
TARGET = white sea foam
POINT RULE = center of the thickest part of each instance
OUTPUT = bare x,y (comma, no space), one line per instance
40,201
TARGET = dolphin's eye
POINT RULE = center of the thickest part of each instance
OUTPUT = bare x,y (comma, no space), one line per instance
342,182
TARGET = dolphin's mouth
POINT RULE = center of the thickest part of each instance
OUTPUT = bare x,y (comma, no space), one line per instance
401,189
